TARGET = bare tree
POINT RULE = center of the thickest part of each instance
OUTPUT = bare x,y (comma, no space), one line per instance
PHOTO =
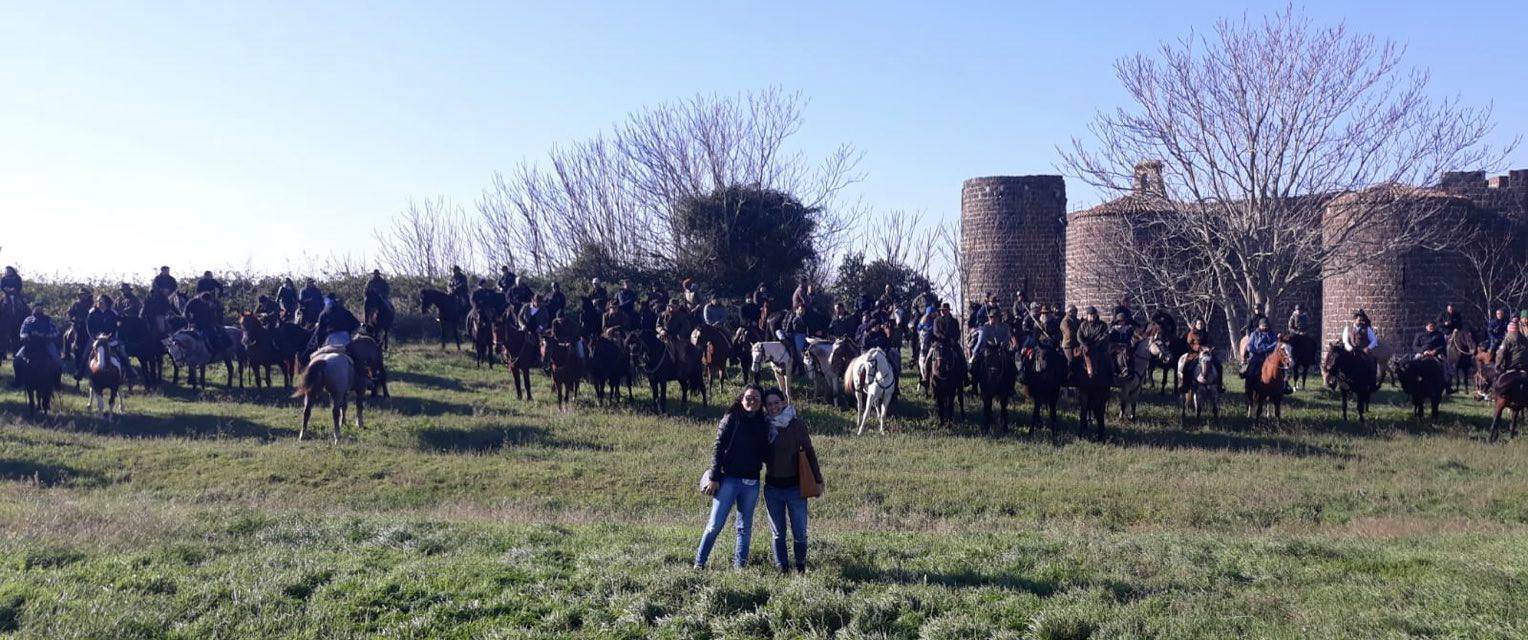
617,194
426,239
1258,125
1498,262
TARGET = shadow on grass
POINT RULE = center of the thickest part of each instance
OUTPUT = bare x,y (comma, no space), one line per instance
196,425
425,380
492,439
46,475
859,572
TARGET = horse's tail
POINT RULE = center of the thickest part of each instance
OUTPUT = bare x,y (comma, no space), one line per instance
312,379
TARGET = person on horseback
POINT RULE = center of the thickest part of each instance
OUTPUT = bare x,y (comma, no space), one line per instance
1196,339
11,284
202,312
691,293
335,325
534,317
626,298
844,323
926,302
507,279
128,304
209,284
1123,326
265,306
77,314
1496,330
1513,352
1359,336
564,332
37,332
614,317
104,321
1092,333
378,286
1299,321
520,294
1259,314
310,300
556,301
714,313
484,301
1432,343
597,293
286,298
457,282
995,333
164,284
1261,342
1451,320
793,330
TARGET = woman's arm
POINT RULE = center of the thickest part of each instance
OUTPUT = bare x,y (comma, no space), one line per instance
723,434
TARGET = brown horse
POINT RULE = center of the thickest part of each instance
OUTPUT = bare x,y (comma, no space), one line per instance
1269,384
567,370
947,381
38,372
1094,378
1044,374
448,311
480,331
1511,391
379,316
742,345
263,350
1306,352
1352,375
366,354
609,366
106,374
715,350
520,351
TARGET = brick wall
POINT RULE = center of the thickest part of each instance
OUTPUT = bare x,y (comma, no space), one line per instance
1012,236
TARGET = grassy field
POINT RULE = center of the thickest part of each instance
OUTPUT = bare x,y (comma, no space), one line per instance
460,512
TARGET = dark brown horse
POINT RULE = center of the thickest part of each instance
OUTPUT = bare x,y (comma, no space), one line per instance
1511,392
521,354
1165,352
480,331
1268,384
715,351
567,370
366,354
665,362
106,376
609,366
1093,378
1305,351
994,380
379,317
742,345
1352,375
1461,353
1044,374
448,311
13,310
947,381
267,347
38,373
1422,379
141,341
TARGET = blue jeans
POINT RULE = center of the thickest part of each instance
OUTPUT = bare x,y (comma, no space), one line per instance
780,501
733,492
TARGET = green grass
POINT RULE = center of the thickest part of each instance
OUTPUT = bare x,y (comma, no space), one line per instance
461,512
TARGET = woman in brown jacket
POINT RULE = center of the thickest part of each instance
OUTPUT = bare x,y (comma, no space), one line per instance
782,484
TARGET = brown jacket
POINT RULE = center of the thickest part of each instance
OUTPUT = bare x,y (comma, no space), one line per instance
780,466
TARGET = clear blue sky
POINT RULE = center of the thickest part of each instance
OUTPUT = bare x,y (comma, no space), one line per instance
204,135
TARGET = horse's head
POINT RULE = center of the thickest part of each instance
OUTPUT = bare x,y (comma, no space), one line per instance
1208,368
424,299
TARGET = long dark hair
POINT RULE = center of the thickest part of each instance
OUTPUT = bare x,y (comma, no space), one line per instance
737,403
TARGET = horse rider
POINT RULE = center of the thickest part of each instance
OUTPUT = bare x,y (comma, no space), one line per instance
926,302
626,298
266,307
597,293
1513,352
207,284
1496,330
506,279
202,312
484,301
1196,338
793,331
995,333
286,298
843,323
1359,336
164,284
564,332
37,332
310,300
104,321
1093,335
556,301
1258,315
1451,320
1261,342
1122,328
519,294
11,285
335,325
128,304
1432,343
378,287
457,285
714,313
533,317
690,292
77,314
1299,321
614,317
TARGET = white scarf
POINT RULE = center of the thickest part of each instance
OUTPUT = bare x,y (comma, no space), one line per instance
776,423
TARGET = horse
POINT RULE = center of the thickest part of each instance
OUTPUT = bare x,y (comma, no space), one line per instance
106,375
1201,390
1485,373
1093,378
38,372
1165,352
447,310
1268,384
141,341
1043,373
742,346
366,354
778,357
521,355
815,360
873,382
480,331
1461,353
1511,391
947,381
330,370
1422,379
379,314
188,349
1132,363
609,365
1350,373
994,380
266,347
567,370
662,366
1305,351
845,350
715,350
13,311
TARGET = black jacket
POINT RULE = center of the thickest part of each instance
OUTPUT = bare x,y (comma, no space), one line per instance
742,444
336,318
101,321
1429,341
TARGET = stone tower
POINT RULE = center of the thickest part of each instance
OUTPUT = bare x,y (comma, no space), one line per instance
1013,237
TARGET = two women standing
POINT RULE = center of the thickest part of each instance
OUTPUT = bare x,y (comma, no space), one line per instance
760,429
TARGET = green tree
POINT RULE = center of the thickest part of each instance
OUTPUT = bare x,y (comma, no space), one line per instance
735,238
857,277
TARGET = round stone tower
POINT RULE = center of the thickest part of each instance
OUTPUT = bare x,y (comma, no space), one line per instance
1402,290
1012,237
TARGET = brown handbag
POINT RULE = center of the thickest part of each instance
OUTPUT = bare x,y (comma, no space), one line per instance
808,480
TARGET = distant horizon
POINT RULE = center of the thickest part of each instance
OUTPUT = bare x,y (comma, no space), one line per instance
273,139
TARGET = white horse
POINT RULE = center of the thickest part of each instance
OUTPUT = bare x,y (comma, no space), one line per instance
873,381
815,358
1204,394
779,359
331,371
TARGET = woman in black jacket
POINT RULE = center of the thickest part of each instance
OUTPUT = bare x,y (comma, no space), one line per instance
742,443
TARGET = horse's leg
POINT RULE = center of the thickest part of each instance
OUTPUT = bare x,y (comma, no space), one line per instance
307,413
1496,420
337,411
